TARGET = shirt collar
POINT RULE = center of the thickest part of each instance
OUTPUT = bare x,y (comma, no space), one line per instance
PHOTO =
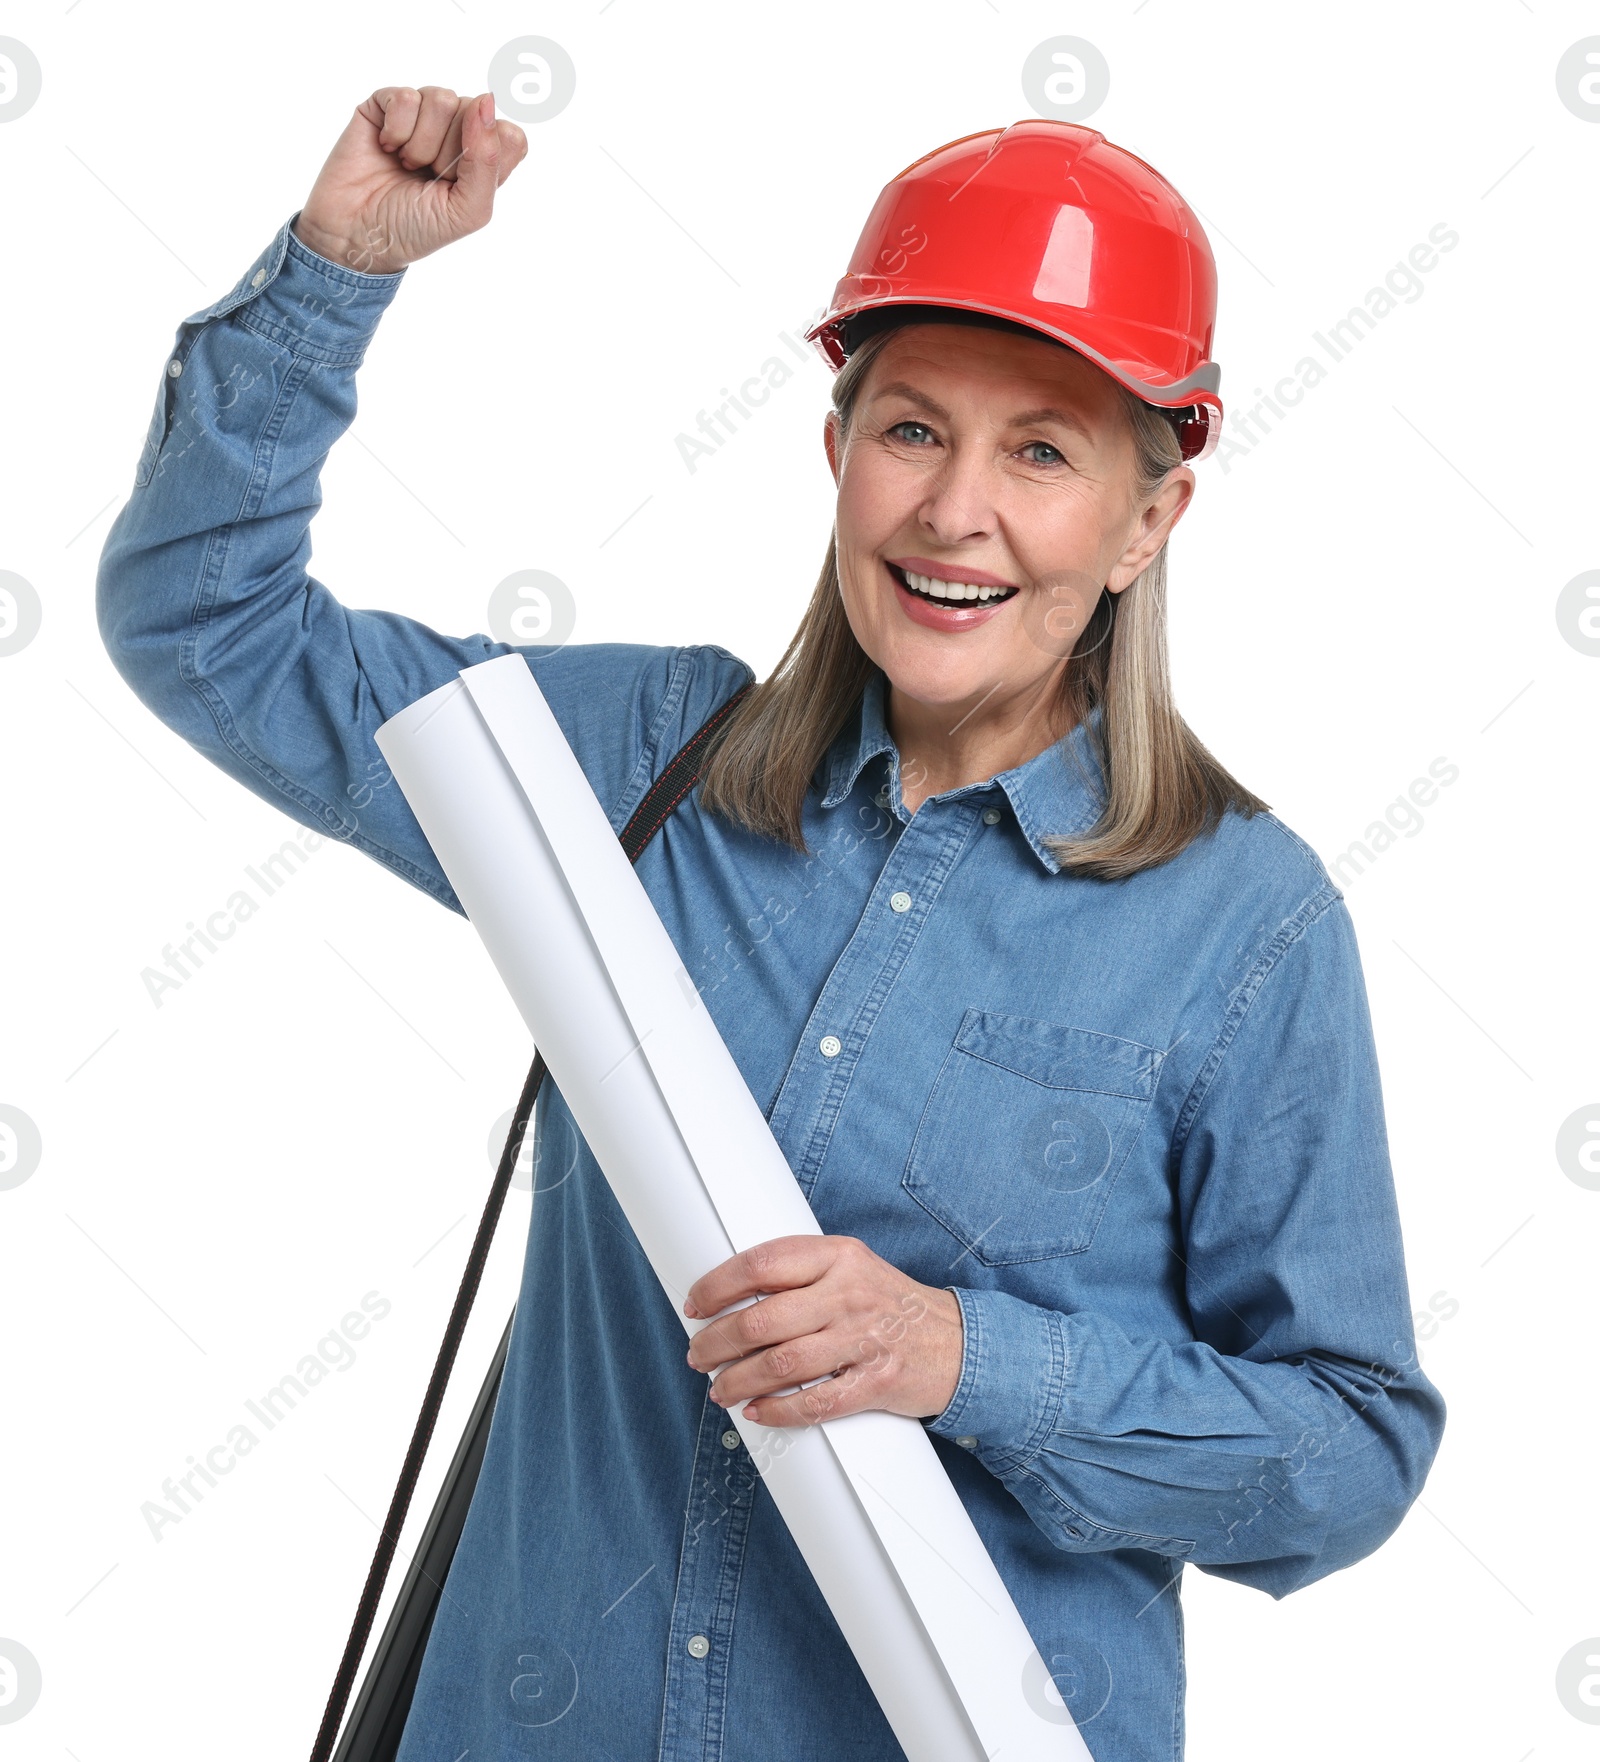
1057,793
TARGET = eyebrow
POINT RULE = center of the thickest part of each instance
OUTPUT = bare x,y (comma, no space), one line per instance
1043,413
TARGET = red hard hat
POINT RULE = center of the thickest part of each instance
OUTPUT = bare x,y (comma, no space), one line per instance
1051,226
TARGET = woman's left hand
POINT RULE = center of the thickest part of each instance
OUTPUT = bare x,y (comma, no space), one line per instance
837,1310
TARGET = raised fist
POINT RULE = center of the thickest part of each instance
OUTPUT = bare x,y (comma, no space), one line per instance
413,171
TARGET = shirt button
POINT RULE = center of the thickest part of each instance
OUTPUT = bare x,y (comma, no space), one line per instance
830,1046
699,1645
257,279
991,816
899,902
967,1443
730,1439
882,798
174,368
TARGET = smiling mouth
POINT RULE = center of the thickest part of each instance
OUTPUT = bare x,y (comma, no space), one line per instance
946,593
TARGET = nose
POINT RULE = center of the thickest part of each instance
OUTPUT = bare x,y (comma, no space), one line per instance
960,501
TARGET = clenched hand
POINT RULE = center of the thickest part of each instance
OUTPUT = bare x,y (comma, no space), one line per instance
414,170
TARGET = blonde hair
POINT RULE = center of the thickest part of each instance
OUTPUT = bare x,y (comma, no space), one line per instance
1163,788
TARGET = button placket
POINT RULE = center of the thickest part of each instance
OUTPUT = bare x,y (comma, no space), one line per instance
710,1565
915,869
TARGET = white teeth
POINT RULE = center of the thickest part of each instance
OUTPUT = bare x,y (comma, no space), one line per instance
951,590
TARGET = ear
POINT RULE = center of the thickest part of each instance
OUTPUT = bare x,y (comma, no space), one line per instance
830,441
1155,527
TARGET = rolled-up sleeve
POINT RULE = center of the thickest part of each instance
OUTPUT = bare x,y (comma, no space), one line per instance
208,610
1290,1436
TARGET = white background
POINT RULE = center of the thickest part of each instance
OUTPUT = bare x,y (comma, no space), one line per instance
1370,588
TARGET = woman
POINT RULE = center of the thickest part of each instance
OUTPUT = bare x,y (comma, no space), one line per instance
1062,1032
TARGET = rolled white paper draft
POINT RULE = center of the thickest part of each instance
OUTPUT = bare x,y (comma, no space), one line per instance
685,1148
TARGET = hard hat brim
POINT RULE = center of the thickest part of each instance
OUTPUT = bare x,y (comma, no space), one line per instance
840,332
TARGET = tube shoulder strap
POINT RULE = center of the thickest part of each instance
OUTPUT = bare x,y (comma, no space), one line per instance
675,782
375,1727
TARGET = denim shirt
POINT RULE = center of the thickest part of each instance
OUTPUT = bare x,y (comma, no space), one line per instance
1135,1126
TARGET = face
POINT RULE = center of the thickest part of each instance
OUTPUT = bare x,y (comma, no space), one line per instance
981,459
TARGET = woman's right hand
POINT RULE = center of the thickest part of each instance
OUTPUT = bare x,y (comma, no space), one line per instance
414,170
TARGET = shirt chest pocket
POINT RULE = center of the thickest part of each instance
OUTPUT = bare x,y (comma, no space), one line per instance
1026,1130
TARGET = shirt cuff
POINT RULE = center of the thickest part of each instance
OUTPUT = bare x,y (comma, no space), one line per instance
1013,1373
302,300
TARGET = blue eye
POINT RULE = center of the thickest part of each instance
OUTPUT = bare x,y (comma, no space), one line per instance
1059,455
911,424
